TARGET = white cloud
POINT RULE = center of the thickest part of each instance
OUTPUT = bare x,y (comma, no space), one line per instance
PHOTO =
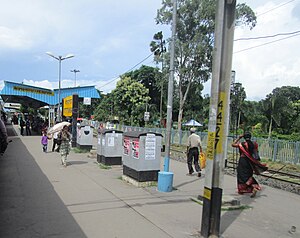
264,68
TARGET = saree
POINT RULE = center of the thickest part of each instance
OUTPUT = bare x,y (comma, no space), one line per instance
247,166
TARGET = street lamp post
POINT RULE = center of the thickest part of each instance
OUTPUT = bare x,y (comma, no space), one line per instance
75,71
59,58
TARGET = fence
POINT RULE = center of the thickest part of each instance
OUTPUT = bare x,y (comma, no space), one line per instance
275,150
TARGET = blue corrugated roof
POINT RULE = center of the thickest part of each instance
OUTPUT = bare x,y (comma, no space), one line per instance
47,96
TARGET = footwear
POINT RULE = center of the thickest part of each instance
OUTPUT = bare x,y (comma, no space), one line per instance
199,174
254,191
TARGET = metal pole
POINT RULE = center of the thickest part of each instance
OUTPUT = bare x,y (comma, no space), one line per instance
75,71
59,86
170,90
161,91
218,118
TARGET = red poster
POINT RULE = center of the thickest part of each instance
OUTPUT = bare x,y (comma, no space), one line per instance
135,149
126,143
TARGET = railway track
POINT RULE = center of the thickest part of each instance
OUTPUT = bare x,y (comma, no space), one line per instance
271,174
291,178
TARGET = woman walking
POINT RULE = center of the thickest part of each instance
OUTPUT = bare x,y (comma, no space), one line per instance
65,145
248,164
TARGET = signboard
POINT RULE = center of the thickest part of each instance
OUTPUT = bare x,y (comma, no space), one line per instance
146,116
68,106
87,101
150,147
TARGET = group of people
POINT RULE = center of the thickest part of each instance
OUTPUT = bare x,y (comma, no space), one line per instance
248,164
61,143
27,126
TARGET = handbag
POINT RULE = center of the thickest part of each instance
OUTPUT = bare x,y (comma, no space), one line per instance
202,160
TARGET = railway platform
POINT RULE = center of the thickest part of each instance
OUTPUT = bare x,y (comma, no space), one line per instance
40,198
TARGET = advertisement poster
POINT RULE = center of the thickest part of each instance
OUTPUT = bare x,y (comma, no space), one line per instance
111,141
126,144
150,147
135,149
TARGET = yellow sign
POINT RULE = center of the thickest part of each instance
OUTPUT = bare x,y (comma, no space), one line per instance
68,106
207,193
220,122
210,149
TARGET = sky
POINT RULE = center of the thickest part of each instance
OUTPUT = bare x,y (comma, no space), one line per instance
109,38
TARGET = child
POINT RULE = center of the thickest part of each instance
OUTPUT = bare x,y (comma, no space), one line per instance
44,141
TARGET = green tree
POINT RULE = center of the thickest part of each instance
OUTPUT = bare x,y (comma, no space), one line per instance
194,40
130,99
279,106
105,109
157,46
149,78
237,97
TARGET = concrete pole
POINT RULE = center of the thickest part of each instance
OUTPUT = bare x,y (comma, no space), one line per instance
165,178
218,118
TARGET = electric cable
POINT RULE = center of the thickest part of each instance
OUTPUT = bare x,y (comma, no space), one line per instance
266,43
115,78
281,5
268,36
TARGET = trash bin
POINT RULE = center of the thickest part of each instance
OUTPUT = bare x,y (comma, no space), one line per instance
85,137
109,147
141,155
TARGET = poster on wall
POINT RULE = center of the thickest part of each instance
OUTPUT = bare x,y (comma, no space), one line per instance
126,144
135,149
150,147
110,141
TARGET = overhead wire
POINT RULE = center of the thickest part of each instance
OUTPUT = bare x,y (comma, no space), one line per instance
281,5
295,33
268,36
291,34
115,78
266,43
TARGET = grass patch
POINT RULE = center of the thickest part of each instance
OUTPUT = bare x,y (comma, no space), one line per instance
80,151
103,166
225,208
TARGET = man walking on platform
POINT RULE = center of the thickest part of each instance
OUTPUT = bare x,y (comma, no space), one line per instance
194,144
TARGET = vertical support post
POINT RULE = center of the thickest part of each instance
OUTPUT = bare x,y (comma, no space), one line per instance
170,89
165,178
275,150
296,156
218,118
59,86
74,119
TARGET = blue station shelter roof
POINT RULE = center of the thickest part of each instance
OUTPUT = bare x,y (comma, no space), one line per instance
38,97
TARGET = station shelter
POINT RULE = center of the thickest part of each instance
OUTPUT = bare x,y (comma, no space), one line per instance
37,97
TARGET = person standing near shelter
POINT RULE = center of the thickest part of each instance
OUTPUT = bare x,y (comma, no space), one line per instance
65,144
27,125
22,124
247,164
194,144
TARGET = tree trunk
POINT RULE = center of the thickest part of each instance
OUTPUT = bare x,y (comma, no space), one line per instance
182,100
180,119
270,129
